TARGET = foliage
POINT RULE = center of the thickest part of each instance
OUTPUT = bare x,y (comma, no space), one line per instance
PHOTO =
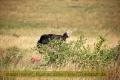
59,53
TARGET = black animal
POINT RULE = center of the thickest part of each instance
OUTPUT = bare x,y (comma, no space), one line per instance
44,39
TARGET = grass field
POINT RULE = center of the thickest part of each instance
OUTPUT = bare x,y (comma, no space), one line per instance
22,22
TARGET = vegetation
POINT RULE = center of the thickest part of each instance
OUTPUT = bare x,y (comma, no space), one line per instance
60,54
23,22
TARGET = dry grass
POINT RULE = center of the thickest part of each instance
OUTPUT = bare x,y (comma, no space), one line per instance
23,22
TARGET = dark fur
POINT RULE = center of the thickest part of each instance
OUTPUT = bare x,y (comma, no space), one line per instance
44,39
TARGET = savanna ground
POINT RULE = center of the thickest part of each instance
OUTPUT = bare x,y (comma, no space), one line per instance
22,22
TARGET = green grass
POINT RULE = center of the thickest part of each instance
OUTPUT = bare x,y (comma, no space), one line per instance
29,19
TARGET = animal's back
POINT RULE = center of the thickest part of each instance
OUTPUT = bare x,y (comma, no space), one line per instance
44,39
54,36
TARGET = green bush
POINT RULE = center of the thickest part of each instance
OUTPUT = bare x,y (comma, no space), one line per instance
56,52
59,53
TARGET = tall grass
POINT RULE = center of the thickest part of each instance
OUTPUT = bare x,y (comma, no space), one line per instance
58,55
22,22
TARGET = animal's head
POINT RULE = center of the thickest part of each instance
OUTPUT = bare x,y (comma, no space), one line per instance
69,32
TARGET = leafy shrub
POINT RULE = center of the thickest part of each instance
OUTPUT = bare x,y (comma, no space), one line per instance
56,51
60,53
